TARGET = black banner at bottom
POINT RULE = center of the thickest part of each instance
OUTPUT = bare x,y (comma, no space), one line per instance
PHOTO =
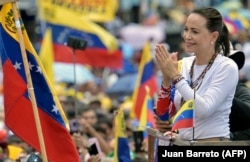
222,153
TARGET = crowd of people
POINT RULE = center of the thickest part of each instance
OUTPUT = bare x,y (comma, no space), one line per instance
213,72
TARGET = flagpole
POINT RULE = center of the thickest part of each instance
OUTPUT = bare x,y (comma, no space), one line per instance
76,43
151,148
194,113
29,82
75,85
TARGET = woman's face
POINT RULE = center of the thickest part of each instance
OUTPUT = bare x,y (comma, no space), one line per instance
197,37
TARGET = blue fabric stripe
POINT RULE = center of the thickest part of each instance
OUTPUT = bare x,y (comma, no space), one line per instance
61,33
42,91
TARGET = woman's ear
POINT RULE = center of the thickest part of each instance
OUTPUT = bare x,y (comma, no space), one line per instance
215,36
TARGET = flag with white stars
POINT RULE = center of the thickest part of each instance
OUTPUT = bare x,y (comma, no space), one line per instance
19,116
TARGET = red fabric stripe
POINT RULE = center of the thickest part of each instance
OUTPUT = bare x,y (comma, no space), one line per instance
19,118
27,130
185,123
162,106
152,84
91,56
151,117
13,82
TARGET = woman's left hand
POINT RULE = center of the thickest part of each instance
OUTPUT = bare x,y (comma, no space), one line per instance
162,126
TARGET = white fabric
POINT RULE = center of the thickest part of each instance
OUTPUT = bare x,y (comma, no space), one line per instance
137,35
213,99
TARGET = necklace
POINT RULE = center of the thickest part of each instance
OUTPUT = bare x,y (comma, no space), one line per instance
197,83
193,84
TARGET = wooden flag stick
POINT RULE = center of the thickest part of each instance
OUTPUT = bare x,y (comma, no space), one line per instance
29,81
151,152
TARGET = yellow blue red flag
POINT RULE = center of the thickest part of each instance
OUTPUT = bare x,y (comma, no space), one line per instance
184,118
146,77
121,151
102,48
147,112
19,116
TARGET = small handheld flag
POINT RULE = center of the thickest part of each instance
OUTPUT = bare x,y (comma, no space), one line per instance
184,117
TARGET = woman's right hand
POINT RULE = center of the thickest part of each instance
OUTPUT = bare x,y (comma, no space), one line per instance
168,63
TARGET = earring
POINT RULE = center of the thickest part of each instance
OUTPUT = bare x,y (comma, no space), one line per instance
212,42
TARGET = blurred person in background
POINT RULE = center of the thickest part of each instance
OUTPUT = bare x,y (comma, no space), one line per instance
18,148
240,110
4,151
89,115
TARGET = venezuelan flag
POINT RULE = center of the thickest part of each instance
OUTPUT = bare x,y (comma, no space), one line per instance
121,151
19,116
96,53
102,47
147,112
146,77
184,118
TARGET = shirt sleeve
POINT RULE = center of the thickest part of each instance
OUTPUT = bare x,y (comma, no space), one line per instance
165,108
